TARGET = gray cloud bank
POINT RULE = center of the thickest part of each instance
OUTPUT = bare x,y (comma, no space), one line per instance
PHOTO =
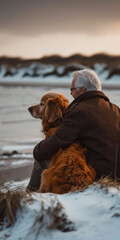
28,17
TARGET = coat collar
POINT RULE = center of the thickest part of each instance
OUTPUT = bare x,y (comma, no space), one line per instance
87,95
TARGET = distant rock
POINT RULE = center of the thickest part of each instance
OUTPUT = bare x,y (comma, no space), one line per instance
9,73
59,66
113,72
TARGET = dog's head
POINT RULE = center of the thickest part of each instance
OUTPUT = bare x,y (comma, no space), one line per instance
51,108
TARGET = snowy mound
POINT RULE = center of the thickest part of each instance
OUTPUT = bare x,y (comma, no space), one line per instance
91,214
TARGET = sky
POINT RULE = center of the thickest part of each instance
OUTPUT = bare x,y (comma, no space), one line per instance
35,28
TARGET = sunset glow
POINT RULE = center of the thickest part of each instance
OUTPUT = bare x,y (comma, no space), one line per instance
38,28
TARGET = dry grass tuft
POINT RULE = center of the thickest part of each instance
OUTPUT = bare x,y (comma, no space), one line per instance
107,182
10,202
59,219
52,217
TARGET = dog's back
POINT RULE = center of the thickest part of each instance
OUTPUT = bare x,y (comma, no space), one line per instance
68,171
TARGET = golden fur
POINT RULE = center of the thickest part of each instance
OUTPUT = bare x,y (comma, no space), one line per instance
68,170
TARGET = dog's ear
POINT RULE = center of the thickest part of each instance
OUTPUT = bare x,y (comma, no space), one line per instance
52,111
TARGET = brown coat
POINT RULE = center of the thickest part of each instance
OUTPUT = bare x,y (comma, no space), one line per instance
94,121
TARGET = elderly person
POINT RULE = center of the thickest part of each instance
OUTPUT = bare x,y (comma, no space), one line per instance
90,119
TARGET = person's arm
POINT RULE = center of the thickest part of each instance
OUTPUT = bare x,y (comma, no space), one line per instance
67,133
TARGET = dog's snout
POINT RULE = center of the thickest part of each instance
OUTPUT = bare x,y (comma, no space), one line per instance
30,109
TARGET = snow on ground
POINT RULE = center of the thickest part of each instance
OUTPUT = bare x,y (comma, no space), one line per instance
20,162
13,185
16,147
53,80
15,163
91,214
17,155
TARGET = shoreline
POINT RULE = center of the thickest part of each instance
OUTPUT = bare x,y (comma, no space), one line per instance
16,174
107,86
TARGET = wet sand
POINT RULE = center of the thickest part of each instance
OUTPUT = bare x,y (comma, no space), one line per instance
106,86
15,174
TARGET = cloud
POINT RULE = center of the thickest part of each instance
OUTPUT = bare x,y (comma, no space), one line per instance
29,17
63,44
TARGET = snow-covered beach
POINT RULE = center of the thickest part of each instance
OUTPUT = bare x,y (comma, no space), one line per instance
41,44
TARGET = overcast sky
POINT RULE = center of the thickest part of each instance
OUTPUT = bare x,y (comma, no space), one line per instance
33,28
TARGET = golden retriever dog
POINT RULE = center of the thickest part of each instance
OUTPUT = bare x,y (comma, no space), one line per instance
68,170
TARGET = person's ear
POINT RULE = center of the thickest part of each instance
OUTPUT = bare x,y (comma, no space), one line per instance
83,89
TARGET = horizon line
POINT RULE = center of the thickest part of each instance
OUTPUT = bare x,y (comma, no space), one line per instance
62,56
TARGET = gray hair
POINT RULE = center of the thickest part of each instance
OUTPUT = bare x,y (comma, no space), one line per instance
87,78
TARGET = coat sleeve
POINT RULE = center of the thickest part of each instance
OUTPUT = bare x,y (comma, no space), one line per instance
67,133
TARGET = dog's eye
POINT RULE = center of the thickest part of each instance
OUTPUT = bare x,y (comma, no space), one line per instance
41,104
